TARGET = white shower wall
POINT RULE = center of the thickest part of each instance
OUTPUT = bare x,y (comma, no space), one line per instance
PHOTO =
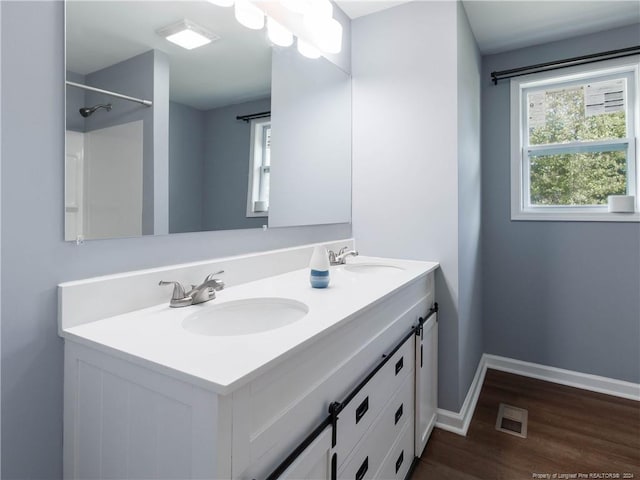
104,182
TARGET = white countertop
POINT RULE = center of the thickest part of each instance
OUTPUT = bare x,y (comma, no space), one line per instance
154,336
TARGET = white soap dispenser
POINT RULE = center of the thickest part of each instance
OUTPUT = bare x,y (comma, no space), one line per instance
319,266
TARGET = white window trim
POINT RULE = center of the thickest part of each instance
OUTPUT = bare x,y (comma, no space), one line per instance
254,181
581,214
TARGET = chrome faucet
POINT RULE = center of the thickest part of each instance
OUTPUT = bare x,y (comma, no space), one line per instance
179,297
340,258
206,290
198,294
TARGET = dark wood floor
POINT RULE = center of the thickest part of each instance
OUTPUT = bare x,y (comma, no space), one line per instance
570,432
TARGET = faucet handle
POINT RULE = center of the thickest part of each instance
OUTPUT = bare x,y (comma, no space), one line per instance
178,290
342,250
218,285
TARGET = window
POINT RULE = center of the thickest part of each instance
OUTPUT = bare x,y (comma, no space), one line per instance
259,168
573,142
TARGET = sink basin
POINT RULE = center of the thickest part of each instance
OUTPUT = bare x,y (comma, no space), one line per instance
372,268
244,317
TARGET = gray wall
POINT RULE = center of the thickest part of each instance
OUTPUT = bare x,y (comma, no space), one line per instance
470,347
312,110
34,256
186,168
563,294
226,166
209,166
144,76
415,147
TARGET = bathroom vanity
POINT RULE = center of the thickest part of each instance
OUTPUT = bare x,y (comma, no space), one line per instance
272,379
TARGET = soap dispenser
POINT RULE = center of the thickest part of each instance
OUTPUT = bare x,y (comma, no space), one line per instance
319,266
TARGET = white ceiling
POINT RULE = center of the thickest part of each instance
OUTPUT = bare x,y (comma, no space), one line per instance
506,25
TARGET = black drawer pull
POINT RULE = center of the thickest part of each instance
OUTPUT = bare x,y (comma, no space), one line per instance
362,409
399,461
399,365
363,469
399,413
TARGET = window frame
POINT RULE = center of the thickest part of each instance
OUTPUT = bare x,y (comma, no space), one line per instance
520,86
256,167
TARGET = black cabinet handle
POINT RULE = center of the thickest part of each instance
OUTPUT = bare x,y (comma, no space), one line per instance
363,469
399,461
399,413
399,365
362,409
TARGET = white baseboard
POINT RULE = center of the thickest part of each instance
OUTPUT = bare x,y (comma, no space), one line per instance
459,422
585,381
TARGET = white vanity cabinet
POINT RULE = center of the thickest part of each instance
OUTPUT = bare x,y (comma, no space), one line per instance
274,413
379,429
139,416
426,381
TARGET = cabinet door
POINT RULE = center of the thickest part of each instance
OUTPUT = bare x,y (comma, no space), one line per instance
426,382
314,463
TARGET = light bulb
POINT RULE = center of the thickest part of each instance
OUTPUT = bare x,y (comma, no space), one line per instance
249,15
222,3
307,50
278,34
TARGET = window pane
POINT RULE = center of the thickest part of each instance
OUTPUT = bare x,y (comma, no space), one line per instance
267,146
591,111
263,189
577,179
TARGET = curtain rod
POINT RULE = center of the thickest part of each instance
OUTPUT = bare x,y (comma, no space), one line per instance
568,62
146,103
247,118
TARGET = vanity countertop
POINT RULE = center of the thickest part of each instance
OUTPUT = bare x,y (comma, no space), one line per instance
154,336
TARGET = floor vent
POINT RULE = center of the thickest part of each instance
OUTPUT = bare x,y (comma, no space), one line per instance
512,420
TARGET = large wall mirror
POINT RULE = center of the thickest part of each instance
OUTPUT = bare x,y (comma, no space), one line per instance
163,139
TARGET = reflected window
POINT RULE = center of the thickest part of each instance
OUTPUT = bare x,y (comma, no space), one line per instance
259,168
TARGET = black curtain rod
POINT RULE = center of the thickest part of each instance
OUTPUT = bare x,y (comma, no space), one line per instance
247,118
569,62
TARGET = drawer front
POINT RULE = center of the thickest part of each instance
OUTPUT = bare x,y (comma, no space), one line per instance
359,414
368,455
398,460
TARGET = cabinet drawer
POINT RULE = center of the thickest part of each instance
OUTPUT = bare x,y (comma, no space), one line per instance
359,414
377,441
399,458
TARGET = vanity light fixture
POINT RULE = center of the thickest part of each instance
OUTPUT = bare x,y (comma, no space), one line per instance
310,20
187,34
326,31
278,34
307,50
249,15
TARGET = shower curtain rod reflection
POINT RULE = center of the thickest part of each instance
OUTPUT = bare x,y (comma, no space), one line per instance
253,116
146,103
